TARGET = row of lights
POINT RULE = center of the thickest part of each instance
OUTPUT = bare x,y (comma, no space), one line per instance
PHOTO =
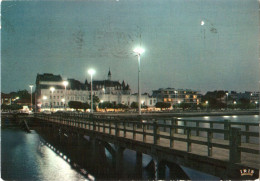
91,72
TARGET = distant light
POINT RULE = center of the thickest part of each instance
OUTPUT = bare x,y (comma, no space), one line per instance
31,86
207,102
63,100
179,102
101,101
65,83
235,102
202,23
52,89
91,71
17,98
256,102
44,97
139,50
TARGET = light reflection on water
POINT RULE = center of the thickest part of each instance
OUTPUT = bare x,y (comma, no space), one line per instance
23,157
233,118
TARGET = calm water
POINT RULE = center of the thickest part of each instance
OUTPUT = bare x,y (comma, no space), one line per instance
25,157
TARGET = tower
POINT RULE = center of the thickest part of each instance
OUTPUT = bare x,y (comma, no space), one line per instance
109,75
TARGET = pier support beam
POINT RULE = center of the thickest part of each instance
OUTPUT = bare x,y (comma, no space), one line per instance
119,160
139,165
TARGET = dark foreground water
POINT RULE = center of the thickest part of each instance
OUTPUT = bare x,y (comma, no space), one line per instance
25,157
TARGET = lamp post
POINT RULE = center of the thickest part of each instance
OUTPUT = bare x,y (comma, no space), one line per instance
65,83
207,102
31,86
139,51
91,72
176,96
256,104
52,90
227,100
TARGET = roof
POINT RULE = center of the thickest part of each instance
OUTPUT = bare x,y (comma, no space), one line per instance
48,77
76,85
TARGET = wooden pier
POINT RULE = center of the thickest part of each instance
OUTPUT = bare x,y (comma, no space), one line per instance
229,150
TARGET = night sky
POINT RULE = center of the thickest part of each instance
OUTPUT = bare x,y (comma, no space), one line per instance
68,38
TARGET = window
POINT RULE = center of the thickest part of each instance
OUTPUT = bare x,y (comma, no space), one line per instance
54,103
57,97
57,91
53,97
61,91
57,103
165,100
151,102
50,97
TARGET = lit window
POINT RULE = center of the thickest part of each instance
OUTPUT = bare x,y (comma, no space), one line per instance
165,100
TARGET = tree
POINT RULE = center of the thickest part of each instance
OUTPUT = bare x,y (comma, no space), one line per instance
184,105
95,99
121,106
134,105
162,105
75,105
105,105
85,106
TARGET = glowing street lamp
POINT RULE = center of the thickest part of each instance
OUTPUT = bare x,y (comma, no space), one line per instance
256,104
91,72
52,89
31,86
227,99
139,51
65,83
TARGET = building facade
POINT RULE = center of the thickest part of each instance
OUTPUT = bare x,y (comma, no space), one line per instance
177,96
106,90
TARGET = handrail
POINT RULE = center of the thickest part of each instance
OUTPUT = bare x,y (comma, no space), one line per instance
115,126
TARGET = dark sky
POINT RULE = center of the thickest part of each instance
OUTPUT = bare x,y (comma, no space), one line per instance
68,38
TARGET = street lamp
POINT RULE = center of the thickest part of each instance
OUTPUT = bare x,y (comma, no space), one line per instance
91,72
52,90
235,102
227,100
256,104
207,102
31,86
65,83
139,51
176,95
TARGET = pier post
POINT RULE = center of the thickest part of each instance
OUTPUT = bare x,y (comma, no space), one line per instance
234,144
226,127
172,135
247,130
156,132
139,165
209,143
159,169
188,139
119,160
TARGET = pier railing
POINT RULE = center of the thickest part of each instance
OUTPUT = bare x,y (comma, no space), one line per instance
188,131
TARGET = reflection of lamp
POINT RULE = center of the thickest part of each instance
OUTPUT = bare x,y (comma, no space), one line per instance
139,51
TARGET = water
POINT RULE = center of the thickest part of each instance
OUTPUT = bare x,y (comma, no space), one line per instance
25,157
